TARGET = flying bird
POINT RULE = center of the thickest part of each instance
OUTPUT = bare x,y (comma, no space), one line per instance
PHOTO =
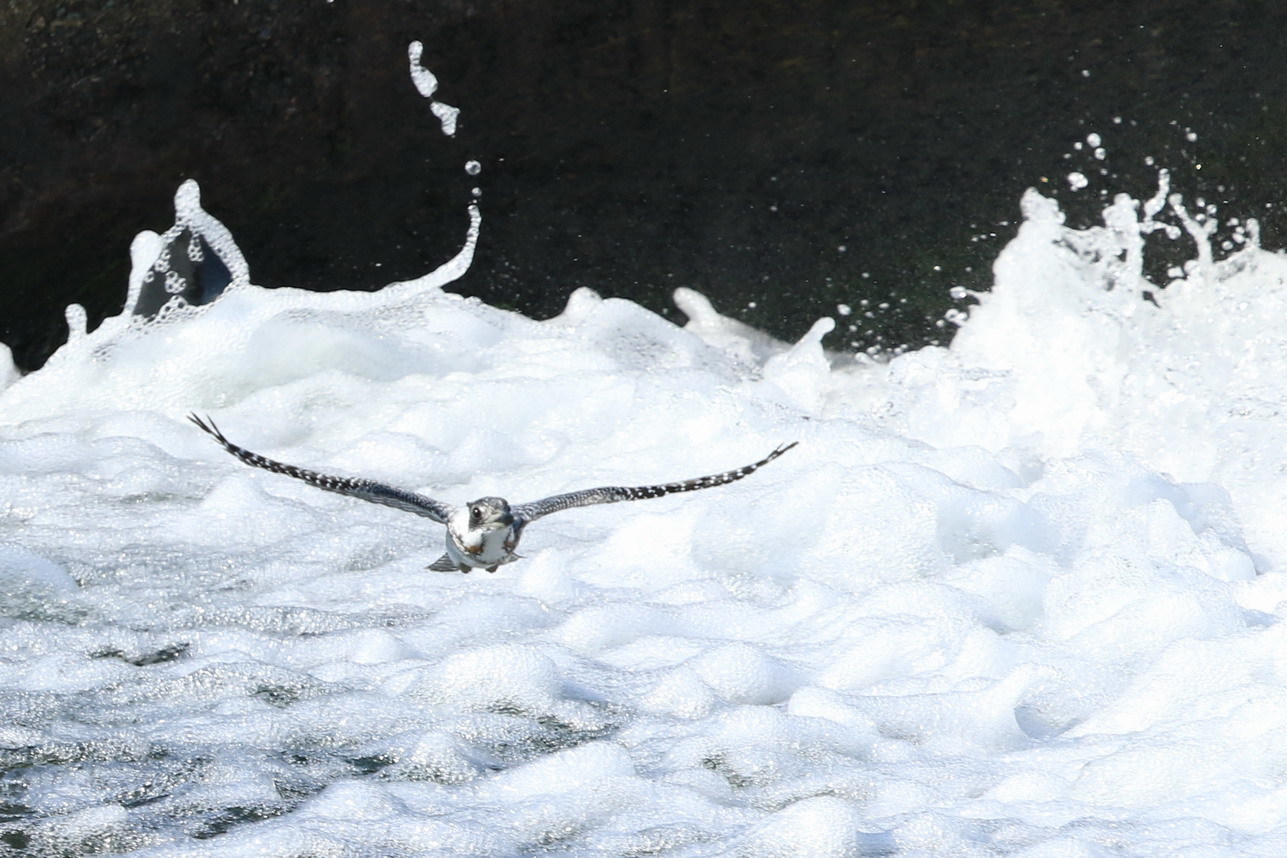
483,533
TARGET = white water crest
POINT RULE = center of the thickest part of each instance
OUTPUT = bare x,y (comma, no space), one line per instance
1018,596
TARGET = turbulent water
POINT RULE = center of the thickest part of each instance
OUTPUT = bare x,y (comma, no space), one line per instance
1019,596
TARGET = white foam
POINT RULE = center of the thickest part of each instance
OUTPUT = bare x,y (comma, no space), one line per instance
1021,595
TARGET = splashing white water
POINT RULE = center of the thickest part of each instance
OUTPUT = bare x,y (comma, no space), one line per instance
426,83
1022,595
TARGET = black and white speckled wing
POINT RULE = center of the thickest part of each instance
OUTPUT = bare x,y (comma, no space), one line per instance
527,512
367,490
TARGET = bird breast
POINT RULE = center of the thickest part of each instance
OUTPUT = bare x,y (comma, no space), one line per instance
476,546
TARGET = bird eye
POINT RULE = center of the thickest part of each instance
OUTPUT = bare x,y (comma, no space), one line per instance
476,512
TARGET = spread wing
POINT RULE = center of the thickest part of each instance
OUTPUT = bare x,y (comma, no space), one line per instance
527,512
367,490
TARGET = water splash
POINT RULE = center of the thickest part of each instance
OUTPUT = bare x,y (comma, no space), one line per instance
191,264
427,84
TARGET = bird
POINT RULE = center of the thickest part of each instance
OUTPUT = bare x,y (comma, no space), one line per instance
483,533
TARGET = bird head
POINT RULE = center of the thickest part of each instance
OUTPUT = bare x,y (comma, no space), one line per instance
489,514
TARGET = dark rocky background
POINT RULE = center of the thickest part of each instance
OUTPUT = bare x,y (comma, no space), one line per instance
627,145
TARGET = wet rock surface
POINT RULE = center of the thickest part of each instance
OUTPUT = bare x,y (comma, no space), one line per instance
781,158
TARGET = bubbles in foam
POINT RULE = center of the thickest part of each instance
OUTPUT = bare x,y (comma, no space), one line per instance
1026,579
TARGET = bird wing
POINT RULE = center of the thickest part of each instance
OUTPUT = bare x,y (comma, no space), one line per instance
528,512
367,490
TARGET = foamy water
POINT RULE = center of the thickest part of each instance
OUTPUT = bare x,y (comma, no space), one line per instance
1019,596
